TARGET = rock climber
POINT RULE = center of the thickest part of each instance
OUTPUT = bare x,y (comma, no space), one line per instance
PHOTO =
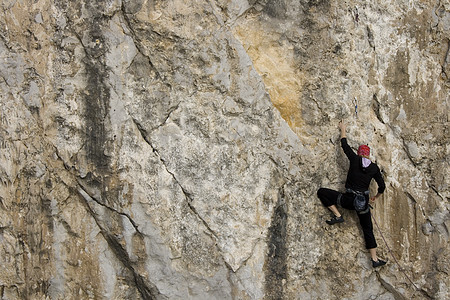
359,176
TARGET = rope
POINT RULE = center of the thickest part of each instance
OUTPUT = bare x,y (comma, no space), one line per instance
393,256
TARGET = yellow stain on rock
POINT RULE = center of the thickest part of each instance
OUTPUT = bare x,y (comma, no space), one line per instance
273,59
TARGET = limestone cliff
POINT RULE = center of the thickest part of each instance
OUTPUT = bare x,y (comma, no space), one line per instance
172,149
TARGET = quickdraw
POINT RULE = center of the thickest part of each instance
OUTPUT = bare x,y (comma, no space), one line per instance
355,102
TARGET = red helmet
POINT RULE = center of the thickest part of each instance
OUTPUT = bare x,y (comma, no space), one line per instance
364,150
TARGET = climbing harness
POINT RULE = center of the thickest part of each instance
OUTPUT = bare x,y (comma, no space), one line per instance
361,201
355,102
392,254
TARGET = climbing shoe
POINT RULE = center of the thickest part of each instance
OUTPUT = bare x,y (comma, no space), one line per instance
378,263
335,220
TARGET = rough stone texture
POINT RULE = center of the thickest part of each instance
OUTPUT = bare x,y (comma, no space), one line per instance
173,149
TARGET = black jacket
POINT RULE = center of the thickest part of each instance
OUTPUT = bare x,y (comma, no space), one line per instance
358,177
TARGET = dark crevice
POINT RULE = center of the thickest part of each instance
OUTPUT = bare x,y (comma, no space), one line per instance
188,196
6,43
436,191
4,79
93,198
163,162
370,38
171,110
3,287
143,133
66,166
134,38
435,13
397,295
405,148
411,197
192,208
147,140
275,266
445,62
146,289
67,227
3,39
376,106
288,178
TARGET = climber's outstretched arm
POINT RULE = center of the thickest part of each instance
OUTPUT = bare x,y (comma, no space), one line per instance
343,128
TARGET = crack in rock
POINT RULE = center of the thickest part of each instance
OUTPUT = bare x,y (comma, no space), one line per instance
134,38
84,193
397,295
147,289
169,113
187,195
370,37
446,61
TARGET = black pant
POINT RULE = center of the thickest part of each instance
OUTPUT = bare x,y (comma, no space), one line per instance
329,197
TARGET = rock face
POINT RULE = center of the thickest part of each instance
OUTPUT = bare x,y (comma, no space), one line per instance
173,149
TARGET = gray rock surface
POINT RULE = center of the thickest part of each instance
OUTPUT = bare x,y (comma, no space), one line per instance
173,149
